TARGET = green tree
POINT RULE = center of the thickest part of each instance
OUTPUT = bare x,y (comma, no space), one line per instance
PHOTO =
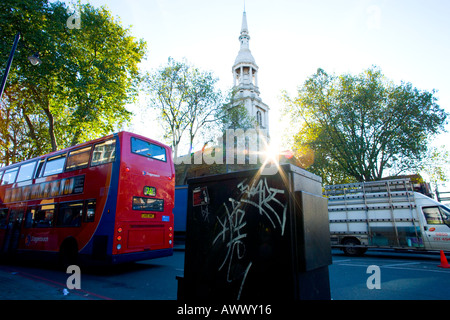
358,127
186,99
436,164
234,115
80,90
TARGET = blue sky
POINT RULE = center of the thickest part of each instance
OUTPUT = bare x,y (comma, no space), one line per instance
408,39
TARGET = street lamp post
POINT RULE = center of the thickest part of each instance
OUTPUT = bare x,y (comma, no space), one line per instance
8,65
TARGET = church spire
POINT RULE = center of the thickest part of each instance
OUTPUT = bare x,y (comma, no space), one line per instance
245,79
244,28
244,54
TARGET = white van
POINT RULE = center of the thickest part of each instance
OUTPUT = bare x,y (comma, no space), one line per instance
386,214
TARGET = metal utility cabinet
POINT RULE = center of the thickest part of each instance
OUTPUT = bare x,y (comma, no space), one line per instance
256,237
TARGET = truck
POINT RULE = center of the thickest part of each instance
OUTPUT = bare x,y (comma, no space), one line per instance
385,214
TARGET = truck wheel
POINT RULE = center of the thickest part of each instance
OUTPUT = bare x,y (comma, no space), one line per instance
350,249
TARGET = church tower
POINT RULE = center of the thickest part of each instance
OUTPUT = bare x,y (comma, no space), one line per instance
245,83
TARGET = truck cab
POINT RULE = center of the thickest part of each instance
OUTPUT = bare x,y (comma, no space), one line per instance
436,222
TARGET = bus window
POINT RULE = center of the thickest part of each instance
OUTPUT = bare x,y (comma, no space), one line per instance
29,217
10,176
55,165
148,149
78,159
69,214
148,204
39,168
3,216
104,152
43,218
26,171
90,211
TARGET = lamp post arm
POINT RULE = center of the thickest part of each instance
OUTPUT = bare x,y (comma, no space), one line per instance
8,65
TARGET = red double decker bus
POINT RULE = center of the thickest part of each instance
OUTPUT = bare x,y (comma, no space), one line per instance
109,200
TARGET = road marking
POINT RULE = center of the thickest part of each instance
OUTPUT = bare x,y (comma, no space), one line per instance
400,264
354,265
393,267
417,269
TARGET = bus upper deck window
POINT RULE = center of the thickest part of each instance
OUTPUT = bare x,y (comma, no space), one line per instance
55,165
10,176
104,152
148,149
78,159
39,168
26,171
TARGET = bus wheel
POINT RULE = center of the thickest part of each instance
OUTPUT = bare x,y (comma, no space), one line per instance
350,248
68,253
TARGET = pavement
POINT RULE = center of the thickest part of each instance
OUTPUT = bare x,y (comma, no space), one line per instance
19,285
16,284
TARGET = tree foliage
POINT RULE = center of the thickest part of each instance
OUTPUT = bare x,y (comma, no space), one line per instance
436,164
189,104
361,127
234,114
79,91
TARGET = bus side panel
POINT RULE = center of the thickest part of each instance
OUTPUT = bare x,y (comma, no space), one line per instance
100,243
96,187
100,184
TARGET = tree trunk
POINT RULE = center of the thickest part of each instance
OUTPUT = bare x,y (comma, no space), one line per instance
51,127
